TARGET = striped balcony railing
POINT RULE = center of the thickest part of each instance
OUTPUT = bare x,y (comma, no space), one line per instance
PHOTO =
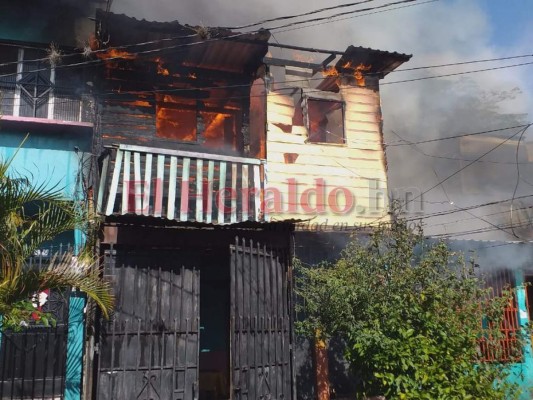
181,185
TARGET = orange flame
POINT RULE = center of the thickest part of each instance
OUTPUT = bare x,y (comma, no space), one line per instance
192,75
116,53
356,71
160,69
330,71
298,56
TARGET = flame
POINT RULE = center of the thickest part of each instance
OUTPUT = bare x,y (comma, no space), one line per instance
192,75
298,56
160,69
138,103
215,125
116,53
330,71
356,71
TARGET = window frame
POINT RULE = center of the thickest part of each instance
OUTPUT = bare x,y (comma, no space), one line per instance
327,97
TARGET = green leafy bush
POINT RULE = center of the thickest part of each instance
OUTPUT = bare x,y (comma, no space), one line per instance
410,313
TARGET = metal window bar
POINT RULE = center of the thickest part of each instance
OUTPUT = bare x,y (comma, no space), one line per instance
507,348
33,92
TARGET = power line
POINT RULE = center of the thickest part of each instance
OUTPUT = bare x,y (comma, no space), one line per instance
320,10
456,172
236,35
517,176
456,136
448,212
342,14
358,16
455,74
477,217
464,63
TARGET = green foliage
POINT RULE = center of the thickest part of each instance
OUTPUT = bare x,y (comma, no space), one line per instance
29,216
411,316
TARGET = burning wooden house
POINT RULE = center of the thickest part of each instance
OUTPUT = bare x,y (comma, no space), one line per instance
209,152
202,279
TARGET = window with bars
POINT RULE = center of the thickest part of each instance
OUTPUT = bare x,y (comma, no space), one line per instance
506,347
31,87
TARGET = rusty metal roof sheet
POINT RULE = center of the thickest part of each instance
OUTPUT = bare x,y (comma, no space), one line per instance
201,47
380,62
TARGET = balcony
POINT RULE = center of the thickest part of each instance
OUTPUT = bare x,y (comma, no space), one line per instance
31,89
181,185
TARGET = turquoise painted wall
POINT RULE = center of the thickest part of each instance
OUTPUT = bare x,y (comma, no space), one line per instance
49,159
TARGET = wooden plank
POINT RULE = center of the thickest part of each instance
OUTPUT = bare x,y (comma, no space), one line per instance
361,116
137,182
114,183
282,99
358,186
233,217
364,125
126,182
103,184
257,193
184,206
221,192
173,173
147,183
283,137
190,154
210,176
279,118
245,193
334,153
199,190
350,90
309,159
287,111
340,151
319,171
159,185
314,94
361,99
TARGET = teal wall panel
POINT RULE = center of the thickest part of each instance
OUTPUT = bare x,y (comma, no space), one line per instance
75,346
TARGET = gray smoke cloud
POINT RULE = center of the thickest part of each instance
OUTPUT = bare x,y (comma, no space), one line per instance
435,33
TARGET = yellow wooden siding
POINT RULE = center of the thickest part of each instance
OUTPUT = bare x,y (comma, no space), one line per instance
350,166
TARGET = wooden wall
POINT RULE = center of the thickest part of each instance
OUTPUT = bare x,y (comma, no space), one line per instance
355,165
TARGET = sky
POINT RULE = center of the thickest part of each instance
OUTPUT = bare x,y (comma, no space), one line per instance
442,31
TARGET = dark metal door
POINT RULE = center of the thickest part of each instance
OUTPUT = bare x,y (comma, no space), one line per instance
261,350
149,350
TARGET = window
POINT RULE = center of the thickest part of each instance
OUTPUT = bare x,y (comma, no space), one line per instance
211,123
175,118
325,121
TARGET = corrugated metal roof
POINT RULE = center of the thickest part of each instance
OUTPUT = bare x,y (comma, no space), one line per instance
380,62
211,48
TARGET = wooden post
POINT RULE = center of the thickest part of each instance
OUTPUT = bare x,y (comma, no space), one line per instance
321,368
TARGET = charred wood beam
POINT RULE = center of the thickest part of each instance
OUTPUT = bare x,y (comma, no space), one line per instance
328,60
290,63
292,47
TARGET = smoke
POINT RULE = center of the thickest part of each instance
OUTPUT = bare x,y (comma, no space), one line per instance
441,32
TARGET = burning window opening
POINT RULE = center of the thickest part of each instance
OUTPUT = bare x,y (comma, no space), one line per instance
325,121
209,123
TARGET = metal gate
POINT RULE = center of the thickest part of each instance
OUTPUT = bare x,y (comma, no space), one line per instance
33,360
261,350
149,349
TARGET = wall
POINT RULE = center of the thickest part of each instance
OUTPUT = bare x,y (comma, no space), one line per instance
47,158
356,166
